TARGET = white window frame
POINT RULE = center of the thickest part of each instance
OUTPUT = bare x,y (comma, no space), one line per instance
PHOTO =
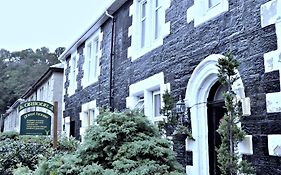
140,44
91,64
148,88
84,116
73,73
155,93
201,11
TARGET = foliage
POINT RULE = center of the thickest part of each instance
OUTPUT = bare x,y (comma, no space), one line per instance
26,151
172,124
9,135
66,144
20,154
123,143
231,134
20,69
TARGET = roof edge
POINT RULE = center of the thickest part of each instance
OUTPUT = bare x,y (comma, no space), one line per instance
112,8
41,80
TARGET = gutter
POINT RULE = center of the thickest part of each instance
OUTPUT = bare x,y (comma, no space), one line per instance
112,53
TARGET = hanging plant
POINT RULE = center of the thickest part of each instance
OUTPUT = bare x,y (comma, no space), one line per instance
231,134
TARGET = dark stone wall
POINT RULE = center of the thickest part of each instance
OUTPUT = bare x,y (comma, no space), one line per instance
238,30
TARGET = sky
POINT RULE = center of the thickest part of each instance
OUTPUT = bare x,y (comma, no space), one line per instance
46,23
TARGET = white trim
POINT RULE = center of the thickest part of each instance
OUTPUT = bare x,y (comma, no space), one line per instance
246,146
67,126
72,78
83,115
274,145
202,79
95,56
201,13
146,88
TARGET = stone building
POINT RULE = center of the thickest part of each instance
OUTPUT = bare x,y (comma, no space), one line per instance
137,49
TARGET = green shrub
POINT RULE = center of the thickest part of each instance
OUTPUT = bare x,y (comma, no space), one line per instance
66,144
123,144
21,154
17,151
10,135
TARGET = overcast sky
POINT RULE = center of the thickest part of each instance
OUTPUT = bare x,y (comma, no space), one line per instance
52,23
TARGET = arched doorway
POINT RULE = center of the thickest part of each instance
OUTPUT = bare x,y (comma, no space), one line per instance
197,97
216,111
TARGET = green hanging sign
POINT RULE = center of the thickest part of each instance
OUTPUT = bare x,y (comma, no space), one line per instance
35,122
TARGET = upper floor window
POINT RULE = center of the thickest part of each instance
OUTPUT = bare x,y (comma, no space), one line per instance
148,27
73,74
92,59
205,10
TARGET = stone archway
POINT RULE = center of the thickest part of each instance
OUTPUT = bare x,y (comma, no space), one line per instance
202,79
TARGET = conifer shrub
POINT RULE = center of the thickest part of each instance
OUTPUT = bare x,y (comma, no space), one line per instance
229,159
124,143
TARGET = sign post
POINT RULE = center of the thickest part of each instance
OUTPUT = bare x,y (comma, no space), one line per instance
55,125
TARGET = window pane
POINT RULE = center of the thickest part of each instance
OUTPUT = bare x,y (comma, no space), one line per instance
143,11
95,64
142,33
156,24
156,3
143,23
157,105
89,53
92,114
213,3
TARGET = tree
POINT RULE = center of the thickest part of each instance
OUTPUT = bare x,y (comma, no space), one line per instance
123,143
59,51
231,134
20,69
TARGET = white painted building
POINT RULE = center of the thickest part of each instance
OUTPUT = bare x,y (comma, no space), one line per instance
48,88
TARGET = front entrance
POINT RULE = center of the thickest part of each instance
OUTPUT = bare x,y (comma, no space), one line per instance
204,98
215,110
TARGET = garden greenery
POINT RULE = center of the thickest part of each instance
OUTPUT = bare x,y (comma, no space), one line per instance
24,152
123,143
231,134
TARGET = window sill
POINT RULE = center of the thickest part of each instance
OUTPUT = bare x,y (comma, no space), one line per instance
143,51
87,84
211,14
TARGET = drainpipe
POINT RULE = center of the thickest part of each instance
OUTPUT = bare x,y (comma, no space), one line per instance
111,105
